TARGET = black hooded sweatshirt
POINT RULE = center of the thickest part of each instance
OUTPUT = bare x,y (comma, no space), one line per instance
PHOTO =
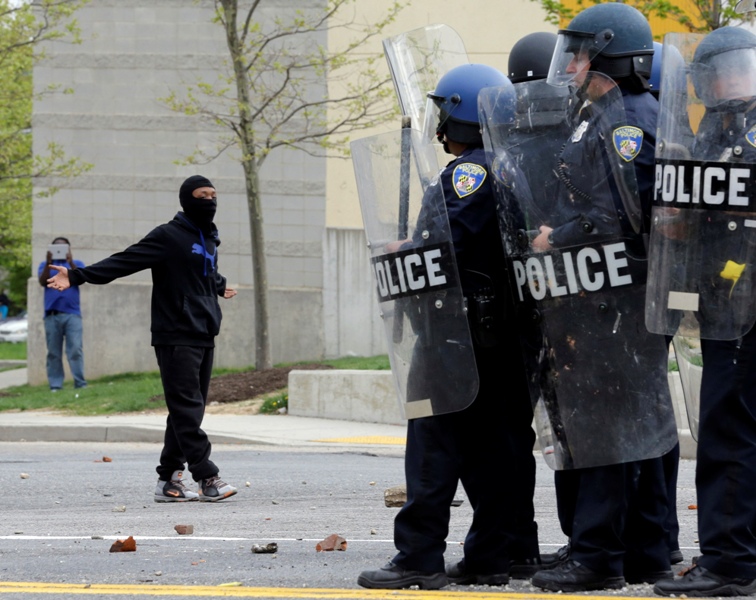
185,280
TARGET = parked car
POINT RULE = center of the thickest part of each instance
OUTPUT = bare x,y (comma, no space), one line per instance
14,329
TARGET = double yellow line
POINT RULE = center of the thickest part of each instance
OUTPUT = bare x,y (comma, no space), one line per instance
234,590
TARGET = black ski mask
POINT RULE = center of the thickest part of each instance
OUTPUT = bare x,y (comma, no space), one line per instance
200,210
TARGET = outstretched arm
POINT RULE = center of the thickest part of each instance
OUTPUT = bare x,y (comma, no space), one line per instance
60,280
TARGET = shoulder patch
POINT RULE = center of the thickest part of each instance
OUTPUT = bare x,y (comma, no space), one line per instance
751,136
467,178
627,141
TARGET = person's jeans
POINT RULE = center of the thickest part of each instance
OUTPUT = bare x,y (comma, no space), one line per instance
58,327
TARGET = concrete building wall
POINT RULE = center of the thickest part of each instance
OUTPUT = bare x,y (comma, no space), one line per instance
135,52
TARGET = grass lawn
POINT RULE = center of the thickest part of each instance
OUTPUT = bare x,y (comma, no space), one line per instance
130,392
9,351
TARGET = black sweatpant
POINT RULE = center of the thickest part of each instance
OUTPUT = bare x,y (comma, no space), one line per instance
185,372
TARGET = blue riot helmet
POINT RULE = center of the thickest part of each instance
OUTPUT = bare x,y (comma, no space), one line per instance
654,81
453,105
530,57
724,67
611,38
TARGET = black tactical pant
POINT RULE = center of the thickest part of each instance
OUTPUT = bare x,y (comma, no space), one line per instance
726,458
185,373
566,484
616,516
489,448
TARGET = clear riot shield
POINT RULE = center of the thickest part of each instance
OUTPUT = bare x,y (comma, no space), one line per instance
598,379
417,59
415,272
690,367
703,233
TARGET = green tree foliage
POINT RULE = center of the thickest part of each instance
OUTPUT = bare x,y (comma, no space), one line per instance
697,16
24,27
286,88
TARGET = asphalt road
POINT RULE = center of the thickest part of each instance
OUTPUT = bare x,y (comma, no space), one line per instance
61,509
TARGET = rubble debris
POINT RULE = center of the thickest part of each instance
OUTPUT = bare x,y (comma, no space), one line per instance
127,545
184,529
24,475
271,548
332,542
395,497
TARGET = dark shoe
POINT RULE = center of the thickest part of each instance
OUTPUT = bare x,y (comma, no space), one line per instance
700,582
213,489
174,490
552,559
647,576
525,568
571,576
676,557
459,575
393,577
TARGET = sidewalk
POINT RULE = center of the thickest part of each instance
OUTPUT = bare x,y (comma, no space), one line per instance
275,430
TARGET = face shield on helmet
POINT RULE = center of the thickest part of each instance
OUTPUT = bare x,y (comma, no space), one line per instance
433,127
725,77
573,54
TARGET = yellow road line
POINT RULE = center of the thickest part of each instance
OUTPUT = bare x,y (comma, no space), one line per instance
367,439
205,591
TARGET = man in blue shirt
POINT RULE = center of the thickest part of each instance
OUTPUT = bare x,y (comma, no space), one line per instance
62,321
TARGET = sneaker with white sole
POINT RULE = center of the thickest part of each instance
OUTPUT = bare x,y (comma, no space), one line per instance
174,490
213,489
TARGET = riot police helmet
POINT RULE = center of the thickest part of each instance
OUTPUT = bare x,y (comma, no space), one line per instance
530,57
453,106
614,39
724,67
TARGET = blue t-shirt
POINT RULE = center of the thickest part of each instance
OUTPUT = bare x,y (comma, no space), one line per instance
66,301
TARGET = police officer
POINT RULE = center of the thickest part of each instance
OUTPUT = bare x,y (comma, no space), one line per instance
724,78
617,510
470,445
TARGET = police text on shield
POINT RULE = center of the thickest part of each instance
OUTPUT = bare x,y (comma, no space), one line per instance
589,268
414,271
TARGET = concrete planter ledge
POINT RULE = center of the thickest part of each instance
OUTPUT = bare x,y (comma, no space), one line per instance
370,397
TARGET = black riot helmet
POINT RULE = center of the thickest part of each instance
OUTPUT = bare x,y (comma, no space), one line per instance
724,67
615,38
530,57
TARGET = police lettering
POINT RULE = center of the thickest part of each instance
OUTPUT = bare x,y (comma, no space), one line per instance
558,274
414,271
703,185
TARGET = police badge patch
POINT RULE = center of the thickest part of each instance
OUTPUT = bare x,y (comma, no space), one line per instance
467,178
751,136
627,141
